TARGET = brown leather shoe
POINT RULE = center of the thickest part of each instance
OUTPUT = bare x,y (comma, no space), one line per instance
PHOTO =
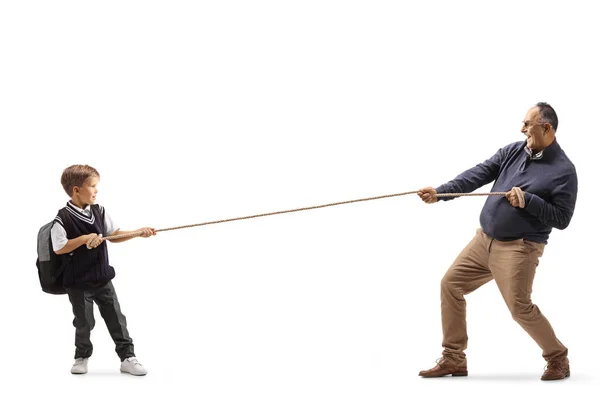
557,369
446,366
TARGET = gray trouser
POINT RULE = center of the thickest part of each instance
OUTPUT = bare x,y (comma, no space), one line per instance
105,297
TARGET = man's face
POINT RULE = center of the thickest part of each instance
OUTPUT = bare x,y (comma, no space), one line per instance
533,129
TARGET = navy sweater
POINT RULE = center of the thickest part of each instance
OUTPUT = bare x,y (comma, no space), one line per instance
548,179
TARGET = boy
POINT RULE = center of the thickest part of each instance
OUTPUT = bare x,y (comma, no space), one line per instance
77,236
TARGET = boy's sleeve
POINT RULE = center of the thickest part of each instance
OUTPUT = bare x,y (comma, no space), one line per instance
109,224
59,236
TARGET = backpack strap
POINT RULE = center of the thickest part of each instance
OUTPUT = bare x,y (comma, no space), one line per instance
64,219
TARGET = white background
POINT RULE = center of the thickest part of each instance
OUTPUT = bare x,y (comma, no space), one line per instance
198,111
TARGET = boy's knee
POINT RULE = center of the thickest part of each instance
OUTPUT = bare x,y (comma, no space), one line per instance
84,325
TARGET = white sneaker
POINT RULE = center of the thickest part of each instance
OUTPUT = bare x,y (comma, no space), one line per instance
132,365
80,366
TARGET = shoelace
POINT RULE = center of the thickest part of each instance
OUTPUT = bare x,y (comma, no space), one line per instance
444,360
134,361
447,361
554,364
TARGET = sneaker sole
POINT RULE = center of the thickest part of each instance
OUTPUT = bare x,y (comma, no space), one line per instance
131,373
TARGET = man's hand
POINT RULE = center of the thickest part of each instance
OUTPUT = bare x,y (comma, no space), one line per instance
516,197
147,232
428,195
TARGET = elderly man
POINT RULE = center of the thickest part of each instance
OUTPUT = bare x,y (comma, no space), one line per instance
541,186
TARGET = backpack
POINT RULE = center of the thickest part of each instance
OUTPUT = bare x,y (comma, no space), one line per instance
50,265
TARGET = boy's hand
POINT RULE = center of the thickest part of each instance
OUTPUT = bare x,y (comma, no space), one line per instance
147,232
93,240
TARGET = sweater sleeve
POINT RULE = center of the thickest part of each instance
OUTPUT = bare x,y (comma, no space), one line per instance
474,178
558,212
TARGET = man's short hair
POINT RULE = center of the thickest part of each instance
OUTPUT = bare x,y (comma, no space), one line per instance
76,175
548,114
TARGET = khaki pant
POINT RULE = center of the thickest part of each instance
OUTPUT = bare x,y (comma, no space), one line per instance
512,265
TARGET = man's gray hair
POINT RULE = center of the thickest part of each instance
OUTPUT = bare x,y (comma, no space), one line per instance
548,114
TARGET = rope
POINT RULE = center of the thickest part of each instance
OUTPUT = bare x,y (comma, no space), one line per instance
138,233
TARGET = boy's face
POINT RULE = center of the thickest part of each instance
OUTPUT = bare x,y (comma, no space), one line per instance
86,194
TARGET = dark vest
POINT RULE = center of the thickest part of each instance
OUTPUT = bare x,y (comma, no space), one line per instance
87,267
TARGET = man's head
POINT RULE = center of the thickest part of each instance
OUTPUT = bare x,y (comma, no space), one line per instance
540,126
80,182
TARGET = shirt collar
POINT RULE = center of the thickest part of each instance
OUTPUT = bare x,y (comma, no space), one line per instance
548,152
85,211
532,156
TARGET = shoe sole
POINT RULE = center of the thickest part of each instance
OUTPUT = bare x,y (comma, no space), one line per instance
558,379
458,374
130,373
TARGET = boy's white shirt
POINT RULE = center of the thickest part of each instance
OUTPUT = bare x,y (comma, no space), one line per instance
59,235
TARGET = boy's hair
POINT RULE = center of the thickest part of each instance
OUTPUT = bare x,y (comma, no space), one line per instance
76,175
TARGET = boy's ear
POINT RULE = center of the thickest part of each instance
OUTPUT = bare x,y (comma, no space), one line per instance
75,190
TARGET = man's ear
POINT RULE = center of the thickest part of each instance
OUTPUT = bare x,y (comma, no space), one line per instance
547,128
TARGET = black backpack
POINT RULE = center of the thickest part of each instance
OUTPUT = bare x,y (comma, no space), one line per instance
50,265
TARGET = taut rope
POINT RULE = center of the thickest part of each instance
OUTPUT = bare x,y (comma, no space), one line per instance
138,233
